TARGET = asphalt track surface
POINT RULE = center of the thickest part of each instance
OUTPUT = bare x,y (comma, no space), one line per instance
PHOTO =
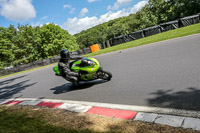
164,74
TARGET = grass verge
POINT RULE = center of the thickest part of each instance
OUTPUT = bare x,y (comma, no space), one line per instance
31,119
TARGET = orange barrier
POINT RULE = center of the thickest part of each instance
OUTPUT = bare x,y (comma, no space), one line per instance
94,48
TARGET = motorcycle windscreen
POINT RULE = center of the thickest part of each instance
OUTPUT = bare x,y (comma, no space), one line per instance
86,62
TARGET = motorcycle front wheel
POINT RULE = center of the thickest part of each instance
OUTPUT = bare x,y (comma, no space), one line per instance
105,75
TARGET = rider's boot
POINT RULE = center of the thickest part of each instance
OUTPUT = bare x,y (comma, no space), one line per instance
74,80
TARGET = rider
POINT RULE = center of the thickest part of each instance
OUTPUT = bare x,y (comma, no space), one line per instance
64,68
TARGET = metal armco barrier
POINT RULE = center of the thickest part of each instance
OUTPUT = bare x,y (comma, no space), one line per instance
189,20
32,65
136,35
186,21
169,25
152,31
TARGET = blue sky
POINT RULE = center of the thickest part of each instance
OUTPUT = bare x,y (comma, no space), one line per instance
71,15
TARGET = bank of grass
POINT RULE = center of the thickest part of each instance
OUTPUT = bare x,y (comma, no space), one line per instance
29,119
185,31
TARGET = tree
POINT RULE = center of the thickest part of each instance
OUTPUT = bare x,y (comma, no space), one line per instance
53,39
24,45
6,48
182,8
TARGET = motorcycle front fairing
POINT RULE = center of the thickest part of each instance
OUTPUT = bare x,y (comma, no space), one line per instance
88,68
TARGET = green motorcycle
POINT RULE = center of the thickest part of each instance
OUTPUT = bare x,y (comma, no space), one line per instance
88,71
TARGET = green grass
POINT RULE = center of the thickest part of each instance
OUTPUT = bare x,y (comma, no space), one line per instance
185,31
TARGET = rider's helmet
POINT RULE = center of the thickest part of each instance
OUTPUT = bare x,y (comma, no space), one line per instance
65,55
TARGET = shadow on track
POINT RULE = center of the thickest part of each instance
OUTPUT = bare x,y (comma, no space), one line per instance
70,87
10,80
9,90
187,100
12,86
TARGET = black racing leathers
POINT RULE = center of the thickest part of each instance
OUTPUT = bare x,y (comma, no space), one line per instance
65,71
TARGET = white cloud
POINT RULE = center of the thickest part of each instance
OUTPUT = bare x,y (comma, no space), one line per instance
109,7
17,10
76,25
40,22
90,1
83,12
112,15
70,7
2,1
67,6
118,4
72,10
138,6
44,18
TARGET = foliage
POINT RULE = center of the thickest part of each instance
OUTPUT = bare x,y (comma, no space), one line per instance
6,52
26,44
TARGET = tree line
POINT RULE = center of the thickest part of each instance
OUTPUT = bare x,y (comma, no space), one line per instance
26,44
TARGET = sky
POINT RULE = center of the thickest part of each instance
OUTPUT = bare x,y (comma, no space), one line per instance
71,15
